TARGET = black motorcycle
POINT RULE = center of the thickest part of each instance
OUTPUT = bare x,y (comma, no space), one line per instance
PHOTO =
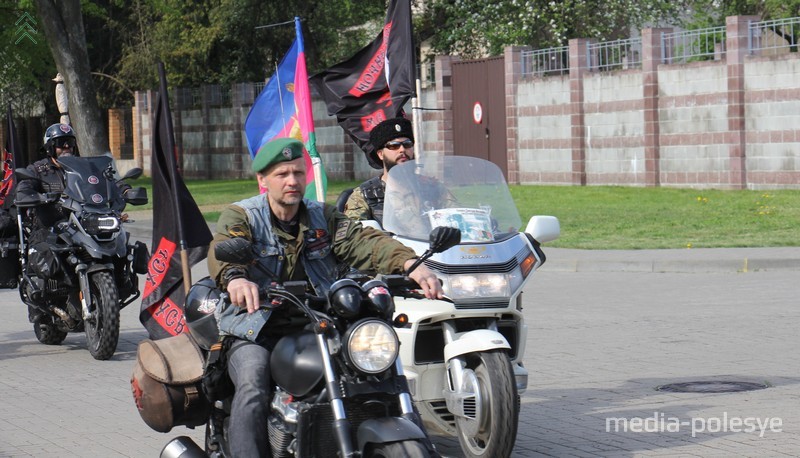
340,389
78,275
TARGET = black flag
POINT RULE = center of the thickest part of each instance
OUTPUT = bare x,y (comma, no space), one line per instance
12,158
374,84
174,251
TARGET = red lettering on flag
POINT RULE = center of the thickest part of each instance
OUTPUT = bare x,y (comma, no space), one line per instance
371,120
158,265
372,72
169,316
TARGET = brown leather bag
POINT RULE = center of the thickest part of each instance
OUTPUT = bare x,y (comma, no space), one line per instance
167,383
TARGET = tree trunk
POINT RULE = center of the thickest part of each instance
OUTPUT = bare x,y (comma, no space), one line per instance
63,26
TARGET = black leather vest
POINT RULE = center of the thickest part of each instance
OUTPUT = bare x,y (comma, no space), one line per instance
373,191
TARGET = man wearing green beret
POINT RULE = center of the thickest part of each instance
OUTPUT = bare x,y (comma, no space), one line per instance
294,239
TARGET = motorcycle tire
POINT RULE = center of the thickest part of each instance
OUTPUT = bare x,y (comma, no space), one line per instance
48,333
102,329
497,431
407,449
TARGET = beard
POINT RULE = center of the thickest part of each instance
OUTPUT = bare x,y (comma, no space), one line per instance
288,201
389,164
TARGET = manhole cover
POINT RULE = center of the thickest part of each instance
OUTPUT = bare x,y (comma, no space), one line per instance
711,387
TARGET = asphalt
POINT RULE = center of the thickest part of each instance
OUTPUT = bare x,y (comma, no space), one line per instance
688,260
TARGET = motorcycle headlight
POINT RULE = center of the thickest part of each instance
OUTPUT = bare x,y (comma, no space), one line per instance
467,286
371,346
95,224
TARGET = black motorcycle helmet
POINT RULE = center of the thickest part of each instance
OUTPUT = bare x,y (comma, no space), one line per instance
201,302
56,134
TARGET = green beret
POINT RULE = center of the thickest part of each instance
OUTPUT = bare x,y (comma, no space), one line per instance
275,151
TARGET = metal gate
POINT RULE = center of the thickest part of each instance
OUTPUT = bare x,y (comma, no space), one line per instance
479,110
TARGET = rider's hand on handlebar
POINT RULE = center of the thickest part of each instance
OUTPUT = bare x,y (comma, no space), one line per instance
426,279
243,293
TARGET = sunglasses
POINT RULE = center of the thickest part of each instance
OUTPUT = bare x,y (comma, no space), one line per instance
64,143
396,145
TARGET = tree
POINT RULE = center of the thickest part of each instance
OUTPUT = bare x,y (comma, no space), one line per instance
224,41
710,13
474,28
62,23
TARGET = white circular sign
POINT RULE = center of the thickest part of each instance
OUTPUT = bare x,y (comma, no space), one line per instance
477,113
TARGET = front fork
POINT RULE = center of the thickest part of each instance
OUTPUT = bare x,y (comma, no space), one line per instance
86,295
462,399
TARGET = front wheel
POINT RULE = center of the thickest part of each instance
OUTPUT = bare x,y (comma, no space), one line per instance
102,327
409,449
493,431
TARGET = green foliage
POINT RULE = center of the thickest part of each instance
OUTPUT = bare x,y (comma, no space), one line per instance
27,67
477,27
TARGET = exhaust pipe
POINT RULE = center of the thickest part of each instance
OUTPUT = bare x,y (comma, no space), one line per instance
182,447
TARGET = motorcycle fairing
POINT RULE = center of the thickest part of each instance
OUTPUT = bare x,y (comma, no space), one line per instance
86,180
297,364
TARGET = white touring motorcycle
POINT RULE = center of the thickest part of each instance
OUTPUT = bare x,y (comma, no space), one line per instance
463,354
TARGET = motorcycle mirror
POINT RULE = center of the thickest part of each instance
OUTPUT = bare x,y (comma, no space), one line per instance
132,174
237,250
443,238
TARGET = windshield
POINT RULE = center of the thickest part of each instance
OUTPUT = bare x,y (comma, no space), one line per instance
86,181
459,191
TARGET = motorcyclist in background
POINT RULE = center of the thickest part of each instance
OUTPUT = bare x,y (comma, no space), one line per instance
393,142
59,141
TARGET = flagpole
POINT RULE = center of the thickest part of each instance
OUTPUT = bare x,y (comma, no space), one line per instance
170,153
316,161
417,124
11,141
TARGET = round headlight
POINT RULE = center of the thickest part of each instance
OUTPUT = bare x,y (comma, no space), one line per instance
372,346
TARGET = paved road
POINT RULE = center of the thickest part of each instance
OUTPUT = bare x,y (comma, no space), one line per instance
600,341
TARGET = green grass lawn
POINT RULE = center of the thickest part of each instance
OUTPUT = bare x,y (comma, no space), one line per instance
610,217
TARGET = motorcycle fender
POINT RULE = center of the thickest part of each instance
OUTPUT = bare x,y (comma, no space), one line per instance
99,267
387,429
475,341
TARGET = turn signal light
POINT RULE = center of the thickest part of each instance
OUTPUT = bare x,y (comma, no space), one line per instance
527,265
400,321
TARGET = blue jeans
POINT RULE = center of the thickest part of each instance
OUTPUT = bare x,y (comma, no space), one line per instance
248,366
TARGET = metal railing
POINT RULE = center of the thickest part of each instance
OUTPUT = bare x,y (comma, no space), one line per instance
545,62
615,55
693,45
774,34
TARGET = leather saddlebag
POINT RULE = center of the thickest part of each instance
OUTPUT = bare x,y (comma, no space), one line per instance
167,383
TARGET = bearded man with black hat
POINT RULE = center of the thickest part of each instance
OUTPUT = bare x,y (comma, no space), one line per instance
393,142
297,239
